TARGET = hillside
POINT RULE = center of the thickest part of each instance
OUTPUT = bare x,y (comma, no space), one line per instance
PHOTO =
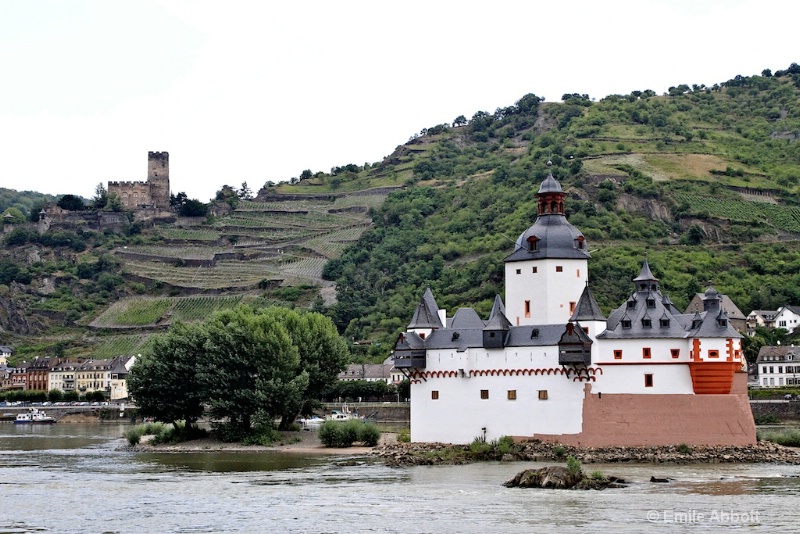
705,179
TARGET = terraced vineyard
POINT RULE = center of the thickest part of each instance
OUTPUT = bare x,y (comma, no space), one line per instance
284,241
112,346
785,218
140,312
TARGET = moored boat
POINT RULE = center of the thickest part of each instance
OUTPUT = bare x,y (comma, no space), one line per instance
34,416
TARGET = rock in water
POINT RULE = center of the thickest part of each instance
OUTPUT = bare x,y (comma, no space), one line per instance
555,477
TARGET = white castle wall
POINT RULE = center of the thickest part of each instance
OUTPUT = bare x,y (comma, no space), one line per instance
549,291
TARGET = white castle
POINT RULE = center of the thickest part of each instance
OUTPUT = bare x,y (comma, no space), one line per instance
548,365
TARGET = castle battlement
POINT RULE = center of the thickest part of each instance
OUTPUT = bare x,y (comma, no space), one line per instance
126,184
154,191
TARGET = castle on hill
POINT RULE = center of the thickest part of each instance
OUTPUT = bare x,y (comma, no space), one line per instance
546,364
152,193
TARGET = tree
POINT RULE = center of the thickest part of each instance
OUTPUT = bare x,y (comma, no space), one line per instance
461,120
251,370
245,193
165,383
193,208
16,216
323,355
70,203
176,201
306,174
114,202
100,198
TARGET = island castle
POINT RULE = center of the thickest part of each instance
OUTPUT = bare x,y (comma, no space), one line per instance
154,192
548,365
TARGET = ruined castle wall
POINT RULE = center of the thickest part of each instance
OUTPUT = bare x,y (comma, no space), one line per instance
132,194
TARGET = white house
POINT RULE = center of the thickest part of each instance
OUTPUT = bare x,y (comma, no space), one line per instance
788,318
5,354
778,366
546,364
760,319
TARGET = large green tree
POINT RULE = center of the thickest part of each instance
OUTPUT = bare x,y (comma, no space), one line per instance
164,383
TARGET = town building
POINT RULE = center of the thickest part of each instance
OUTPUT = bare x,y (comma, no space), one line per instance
760,319
5,354
372,372
778,366
788,318
735,315
546,364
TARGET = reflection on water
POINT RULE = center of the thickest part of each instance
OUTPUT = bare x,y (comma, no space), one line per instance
78,478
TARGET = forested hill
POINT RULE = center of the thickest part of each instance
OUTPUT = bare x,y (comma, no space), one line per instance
703,179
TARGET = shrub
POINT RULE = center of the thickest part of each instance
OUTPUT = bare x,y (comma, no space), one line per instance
404,436
344,434
559,451
505,445
788,437
479,446
597,475
573,466
262,436
683,448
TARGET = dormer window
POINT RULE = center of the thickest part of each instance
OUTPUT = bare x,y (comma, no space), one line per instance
646,322
455,336
722,322
651,303
631,304
626,323
534,333
533,243
663,322
579,242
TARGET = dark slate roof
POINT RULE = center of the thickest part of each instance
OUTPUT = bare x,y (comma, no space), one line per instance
498,321
465,318
780,352
645,274
518,336
557,239
637,329
497,307
766,314
550,185
5,349
427,313
409,341
587,308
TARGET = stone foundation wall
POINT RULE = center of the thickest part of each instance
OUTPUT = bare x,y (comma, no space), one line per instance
658,420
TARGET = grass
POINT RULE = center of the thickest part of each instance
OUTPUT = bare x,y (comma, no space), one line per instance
789,437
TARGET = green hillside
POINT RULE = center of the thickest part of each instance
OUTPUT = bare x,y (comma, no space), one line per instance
704,179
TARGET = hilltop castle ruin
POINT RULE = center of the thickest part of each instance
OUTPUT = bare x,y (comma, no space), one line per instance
152,193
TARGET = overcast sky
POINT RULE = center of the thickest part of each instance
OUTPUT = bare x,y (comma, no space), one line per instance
255,91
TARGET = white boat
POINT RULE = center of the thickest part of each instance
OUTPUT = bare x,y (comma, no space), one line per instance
342,415
312,421
34,416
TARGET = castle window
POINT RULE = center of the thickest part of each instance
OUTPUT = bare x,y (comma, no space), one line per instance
512,394
542,394
527,308
663,322
646,353
534,270
455,336
648,380
559,269
422,336
579,241
713,354
519,271
484,394
631,304
434,395
676,353
572,307
646,322
651,303
626,323
617,354
534,333
533,243
722,322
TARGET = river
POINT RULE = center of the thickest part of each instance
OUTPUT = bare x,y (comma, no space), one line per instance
72,478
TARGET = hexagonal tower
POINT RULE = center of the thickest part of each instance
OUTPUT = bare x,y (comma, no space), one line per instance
158,178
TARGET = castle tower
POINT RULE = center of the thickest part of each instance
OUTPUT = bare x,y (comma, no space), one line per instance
546,273
158,178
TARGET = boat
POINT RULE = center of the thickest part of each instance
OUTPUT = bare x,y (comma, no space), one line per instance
313,421
34,416
342,415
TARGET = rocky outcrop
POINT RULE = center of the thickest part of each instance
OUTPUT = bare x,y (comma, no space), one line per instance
557,477
403,454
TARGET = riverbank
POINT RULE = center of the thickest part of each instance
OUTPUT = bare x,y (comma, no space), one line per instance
300,442
405,454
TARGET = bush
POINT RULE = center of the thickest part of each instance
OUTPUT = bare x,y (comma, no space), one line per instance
344,434
404,436
559,451
683,448
262,436
573,466
788,437
505,445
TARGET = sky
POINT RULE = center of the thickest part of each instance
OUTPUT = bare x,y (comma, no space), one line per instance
254,91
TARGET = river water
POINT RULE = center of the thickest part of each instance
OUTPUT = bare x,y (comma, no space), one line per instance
70,478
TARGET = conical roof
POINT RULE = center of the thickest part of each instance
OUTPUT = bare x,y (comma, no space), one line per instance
587,308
